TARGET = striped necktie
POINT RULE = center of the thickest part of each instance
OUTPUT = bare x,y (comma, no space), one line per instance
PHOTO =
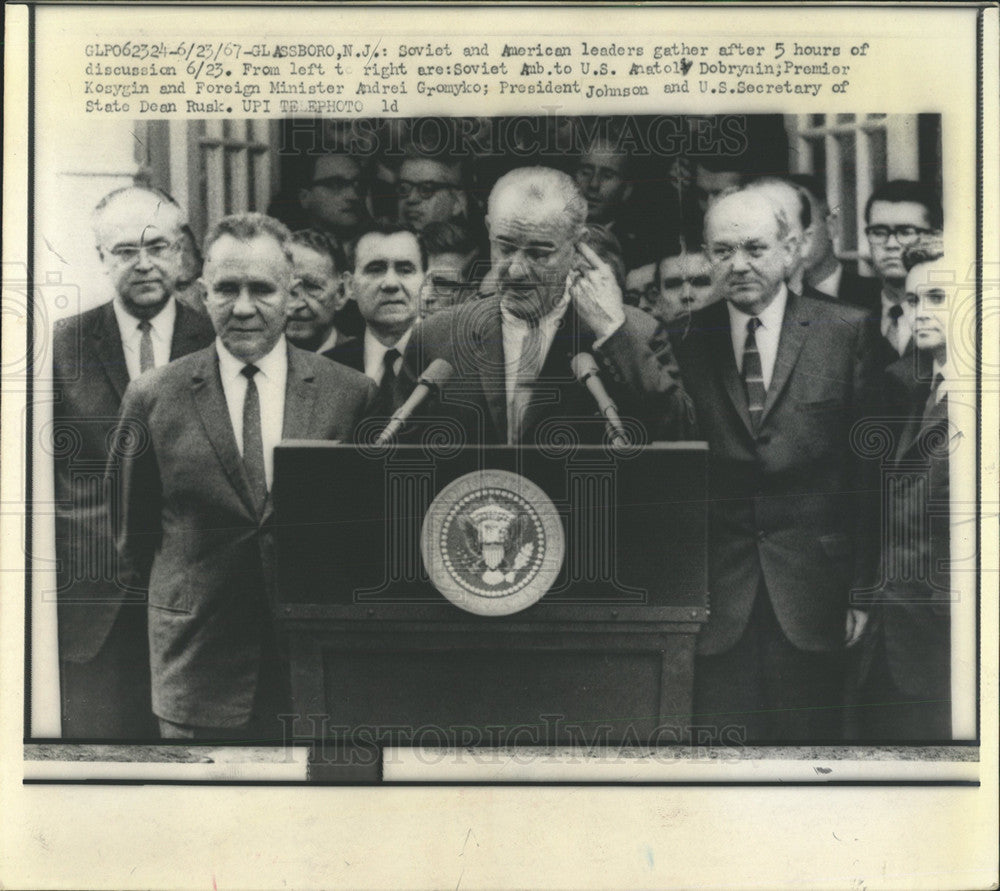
753,373
253,441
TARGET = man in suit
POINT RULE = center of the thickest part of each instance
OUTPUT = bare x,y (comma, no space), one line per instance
777,381
906,666
388,273
898,215
196,477
823,270
318,266
552,298
103,654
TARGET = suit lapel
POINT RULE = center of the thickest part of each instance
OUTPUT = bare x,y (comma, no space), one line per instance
185,338
571,337
210,402
794,330
718,341
106,341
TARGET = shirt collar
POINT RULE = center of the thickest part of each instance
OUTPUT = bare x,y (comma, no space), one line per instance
770,317
161,325
270,365
831,284
556,313
944,370
374,347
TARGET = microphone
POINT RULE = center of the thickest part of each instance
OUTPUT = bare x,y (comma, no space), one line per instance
435,376
585,370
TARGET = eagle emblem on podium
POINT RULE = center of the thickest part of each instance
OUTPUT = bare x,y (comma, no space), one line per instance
492,542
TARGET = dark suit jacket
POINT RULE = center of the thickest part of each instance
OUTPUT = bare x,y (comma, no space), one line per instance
866,293
791,505
913,616
645,385
188,524
89,378
350,352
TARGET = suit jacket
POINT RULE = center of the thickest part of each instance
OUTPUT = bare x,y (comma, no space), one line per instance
913,616
866,293
188,523
791,505
645,385
89,378
350,352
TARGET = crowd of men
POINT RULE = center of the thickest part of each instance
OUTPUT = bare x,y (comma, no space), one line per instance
750,334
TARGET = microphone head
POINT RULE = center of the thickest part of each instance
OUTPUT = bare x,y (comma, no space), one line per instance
583,366
437,373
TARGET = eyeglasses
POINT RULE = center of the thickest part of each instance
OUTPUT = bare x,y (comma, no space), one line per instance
905,235
340,183
696,281
129,253
427,188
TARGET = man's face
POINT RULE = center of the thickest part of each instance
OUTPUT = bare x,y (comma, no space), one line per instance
640,287
748,258
316,296
429,192
929,293
685,285
601,178
388,273
138,237
887,252
247,285
335,198
824,224
446,282
709,184
532,250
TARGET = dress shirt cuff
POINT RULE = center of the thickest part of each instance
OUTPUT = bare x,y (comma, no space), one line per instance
613,326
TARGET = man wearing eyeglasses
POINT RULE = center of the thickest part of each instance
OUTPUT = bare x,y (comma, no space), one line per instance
318,294
898,215
431,189
549,296
103,649
334,198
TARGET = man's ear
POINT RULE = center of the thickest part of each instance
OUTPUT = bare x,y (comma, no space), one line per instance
305,198
340,294
626,193
461,205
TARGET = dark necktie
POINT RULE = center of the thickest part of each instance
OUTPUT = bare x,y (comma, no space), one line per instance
753,373
146,360
893,334
932,400
253,442
387,386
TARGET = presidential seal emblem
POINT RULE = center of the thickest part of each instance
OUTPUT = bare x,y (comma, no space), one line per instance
492,542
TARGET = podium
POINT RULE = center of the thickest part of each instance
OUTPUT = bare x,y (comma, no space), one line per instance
379,656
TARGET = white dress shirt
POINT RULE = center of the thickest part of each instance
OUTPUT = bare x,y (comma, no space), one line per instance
904,325
270,381
515,330
767,337
161,331
375,354
831,284
946,377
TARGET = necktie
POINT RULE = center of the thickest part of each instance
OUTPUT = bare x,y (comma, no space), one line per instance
146,360
387,385
932,399
253,442
893,333
528,366
753,373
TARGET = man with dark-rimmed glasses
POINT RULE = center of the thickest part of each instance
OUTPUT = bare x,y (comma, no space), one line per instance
898,214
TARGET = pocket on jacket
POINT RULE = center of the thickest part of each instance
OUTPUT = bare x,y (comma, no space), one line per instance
170,594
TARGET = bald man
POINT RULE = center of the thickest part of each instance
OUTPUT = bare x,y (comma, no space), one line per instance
103,653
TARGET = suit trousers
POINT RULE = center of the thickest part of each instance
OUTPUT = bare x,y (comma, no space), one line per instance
109,696
766,690
887,714
271,700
